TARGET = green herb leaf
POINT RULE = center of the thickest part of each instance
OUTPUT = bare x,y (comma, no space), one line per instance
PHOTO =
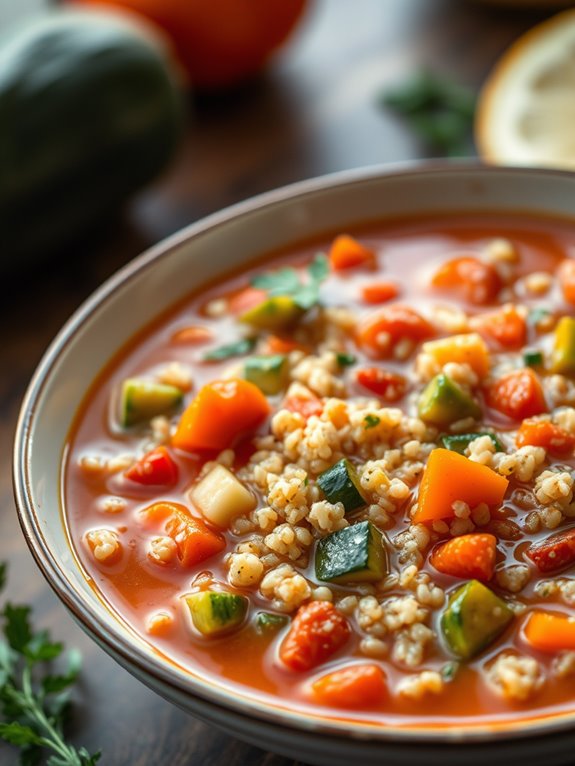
287,282
17,734
238,348
345,360
41,649
17,626
439,111
3,575
449,671
371,421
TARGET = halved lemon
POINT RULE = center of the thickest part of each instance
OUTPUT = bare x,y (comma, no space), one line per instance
526,109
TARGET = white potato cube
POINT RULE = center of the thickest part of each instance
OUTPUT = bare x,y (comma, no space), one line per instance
221,497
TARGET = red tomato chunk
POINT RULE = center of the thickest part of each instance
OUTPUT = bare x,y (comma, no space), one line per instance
317,631
468,556
380,332
389,385
543,433
518,394
156,468
555,552
473,280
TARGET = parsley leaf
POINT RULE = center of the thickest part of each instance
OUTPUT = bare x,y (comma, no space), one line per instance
439,111
34,702
371,421
287,282
238,348
345,360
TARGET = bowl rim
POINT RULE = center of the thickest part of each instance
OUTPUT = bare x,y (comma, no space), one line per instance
115,639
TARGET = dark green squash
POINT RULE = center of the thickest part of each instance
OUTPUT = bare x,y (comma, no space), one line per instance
89,112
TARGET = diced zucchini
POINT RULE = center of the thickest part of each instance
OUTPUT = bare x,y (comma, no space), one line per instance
142,400
460,442
269,373
563,354
273,313
341,484
221,496
444,401
532,358
352,554
474,617
268,622
216,612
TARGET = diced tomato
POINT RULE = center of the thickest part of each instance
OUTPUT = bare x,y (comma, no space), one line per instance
506,327
222,412
246,299
379,333
156,468
318,630
467,556
306,406
554,553
518,394
566,274
475,281
192,335
543,433
357,686
347,253
389,385
379,292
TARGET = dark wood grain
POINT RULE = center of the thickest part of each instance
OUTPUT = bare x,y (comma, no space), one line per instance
316,111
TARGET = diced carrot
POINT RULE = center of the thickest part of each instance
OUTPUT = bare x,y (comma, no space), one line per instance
449,476
277,345
347,253
475,281
389,385
246,299
192,335
379,292
306,406
467,348
380,332
550,632
317,631
566,274
357,686
555,552
467,556
155,468
195,541
223,411
543,433
518,394
506,327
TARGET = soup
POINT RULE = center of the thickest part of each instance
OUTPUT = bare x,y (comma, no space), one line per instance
344,477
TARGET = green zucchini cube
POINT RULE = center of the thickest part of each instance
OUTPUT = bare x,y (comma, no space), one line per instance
460,442
273,313
216,612
142,400
341,484
268,373
473,619
350,555
444,401
268,623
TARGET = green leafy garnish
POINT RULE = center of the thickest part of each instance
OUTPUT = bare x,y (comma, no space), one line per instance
438,110
345,360
238,348
371,421
34,702
287,282
449,671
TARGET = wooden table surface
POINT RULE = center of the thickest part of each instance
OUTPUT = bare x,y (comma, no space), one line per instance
315,111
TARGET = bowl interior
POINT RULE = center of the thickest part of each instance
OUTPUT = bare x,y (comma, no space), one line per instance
158,279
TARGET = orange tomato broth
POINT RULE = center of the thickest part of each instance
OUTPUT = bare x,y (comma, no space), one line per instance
409,251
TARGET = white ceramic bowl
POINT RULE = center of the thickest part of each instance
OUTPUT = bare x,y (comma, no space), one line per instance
151,284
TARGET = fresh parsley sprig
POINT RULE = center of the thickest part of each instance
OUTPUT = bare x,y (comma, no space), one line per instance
35,702
438,110
288,282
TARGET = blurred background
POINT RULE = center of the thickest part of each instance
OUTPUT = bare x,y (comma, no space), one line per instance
116,133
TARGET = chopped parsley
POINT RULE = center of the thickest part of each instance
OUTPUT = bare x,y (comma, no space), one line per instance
345,360
371,421
238,348
287,282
